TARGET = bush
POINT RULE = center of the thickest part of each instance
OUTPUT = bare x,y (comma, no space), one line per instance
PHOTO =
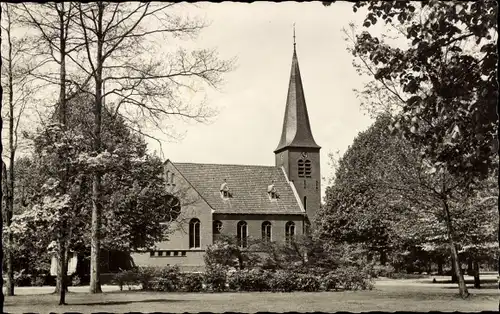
76,281
249,280
283,281
330,281
382,271
308,283
37,281
191,282
166,279
354,278
215,278
21,279
145,276
126,277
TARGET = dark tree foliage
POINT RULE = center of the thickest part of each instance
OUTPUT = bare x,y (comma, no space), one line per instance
447,75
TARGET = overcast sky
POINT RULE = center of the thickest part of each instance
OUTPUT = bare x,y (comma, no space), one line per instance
252,103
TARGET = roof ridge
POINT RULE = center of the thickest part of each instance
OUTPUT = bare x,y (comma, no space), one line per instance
223,164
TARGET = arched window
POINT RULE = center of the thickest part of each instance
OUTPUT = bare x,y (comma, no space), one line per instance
305,202
300,167
242,234
217,227
194,233
308,168
289,231
266,231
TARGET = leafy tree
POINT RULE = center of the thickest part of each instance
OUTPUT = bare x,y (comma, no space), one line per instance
358,209
445,79
225,252
134,198
443,86
113,35
109,51
384,197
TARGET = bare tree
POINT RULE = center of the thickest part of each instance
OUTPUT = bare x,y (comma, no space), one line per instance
18,90
53,22
145,85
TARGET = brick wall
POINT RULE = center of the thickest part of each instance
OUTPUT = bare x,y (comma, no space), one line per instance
192,206
254,223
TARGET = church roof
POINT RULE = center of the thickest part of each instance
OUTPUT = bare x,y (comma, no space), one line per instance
296,128
247,186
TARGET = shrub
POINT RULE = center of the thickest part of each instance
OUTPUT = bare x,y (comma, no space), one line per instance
125,277
21,279
166,279
283,281
215,278
308,283
37,281
354,278
191,282
146,276
76,280
249,280
382,271
330,281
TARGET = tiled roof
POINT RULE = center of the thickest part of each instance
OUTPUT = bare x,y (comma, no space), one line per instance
247,185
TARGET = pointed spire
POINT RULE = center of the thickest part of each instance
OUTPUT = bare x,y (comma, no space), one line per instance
296,128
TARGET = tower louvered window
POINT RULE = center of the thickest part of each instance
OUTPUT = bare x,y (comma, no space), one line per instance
308,168
301,168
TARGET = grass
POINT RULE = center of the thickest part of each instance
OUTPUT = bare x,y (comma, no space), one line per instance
388,295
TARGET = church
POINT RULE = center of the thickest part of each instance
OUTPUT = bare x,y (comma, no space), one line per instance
272,203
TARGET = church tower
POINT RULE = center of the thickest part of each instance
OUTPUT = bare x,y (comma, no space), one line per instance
297,152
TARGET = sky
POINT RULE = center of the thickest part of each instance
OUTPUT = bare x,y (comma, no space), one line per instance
251,103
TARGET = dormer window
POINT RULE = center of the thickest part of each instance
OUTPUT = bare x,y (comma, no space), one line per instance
167,177
224,190
271,191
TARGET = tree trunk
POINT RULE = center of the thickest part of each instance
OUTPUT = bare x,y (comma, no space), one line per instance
7,215
10,182
2,178
477,282
62,270
61,241
454,278
462,287
95,273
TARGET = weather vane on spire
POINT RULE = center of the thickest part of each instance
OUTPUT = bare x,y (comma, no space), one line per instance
294,35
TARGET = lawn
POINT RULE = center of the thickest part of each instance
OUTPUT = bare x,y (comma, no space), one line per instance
388,295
